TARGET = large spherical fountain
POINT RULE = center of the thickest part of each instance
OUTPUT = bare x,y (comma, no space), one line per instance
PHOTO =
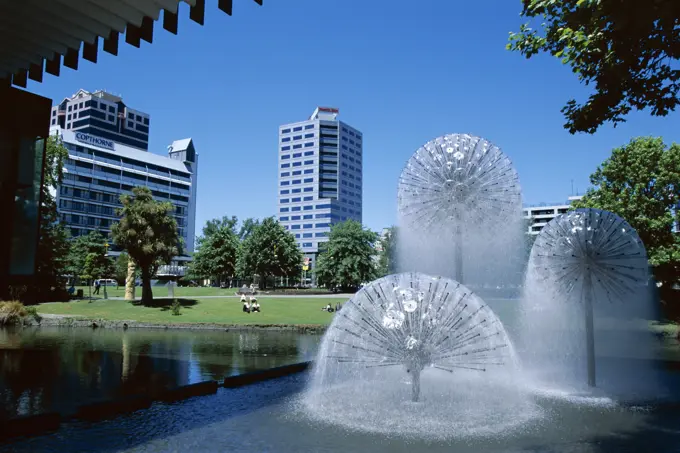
458,187
589,256
408,338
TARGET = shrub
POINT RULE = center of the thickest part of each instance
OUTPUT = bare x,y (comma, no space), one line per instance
12,312
33,313
176,308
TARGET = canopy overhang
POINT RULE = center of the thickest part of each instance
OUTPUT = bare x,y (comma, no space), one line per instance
39,36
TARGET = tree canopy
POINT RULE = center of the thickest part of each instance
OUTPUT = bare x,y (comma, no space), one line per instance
641,183
53,246
95,244
148,232
269,250
346,260
217,252
625,49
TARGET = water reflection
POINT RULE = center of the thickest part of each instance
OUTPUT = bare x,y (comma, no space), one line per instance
57,369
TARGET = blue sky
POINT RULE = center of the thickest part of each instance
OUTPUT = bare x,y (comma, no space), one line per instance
402,74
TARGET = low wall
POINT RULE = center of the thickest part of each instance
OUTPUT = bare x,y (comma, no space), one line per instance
101,410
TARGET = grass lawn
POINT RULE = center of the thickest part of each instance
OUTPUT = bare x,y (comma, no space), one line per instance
162,291
220,311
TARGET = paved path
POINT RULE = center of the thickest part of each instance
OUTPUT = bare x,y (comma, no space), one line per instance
259,296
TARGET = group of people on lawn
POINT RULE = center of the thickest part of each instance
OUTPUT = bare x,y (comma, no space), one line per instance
250,305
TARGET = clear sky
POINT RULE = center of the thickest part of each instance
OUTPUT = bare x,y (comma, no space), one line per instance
401,71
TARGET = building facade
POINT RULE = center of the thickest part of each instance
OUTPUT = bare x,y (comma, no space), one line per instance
538,216
98,171
320,177
103,115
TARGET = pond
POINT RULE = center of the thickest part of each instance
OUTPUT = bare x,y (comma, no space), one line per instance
58,369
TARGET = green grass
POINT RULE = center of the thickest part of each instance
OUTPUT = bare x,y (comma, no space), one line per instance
219,311
162,291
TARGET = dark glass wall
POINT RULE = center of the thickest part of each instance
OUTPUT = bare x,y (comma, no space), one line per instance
24,127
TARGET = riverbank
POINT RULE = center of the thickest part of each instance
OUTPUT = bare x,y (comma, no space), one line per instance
282,313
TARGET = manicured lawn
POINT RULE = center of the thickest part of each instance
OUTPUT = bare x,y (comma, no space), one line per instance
162,291
222,311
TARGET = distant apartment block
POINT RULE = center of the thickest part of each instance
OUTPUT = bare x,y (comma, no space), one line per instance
539,216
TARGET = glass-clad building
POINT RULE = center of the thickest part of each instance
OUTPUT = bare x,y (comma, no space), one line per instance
320,177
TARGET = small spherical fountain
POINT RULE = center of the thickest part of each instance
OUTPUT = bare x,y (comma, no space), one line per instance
403,326
590,255
458,185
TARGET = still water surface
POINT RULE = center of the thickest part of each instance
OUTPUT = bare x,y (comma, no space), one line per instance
58,369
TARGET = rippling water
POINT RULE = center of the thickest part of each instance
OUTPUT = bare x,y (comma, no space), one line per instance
58,369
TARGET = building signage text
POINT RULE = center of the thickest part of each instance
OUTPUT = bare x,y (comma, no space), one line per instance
92,140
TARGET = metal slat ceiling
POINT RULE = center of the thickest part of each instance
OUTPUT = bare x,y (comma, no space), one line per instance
37,35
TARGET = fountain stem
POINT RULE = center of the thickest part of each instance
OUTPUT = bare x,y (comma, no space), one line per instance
415,385
590,334
458,243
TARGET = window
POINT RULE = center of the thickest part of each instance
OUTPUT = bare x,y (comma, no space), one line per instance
297,236
323,206
283,219
295,200
309,135
295,208
309,162
310,198
295,227
286,165
322,216
297,137
308,189
307,216
285,148
322,225
111,118
296,181
321,235
295,217
344,129
344,147
296,155
306,244
283,210
285,173
309,144
285,139
296,191
298,128
131,124
298,146
309,180
308,208
285,131
307,225
297,164
309,153
297,172
344,139
285,200
309,171
285,156
309,126
307,235
285,183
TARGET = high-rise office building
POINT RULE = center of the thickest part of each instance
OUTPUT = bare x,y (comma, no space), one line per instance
320,177
98,171
104,115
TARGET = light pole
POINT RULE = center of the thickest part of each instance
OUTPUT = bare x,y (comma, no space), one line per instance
106,255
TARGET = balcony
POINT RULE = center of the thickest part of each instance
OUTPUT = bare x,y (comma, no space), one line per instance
171,271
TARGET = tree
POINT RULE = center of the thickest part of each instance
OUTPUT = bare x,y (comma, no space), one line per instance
217,253
247,228
641,183
147,231
625,48
346,260
81,247
387,258
268,251
53,245
215,225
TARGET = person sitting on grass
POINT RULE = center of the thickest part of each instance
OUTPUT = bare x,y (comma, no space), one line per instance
246,306
255,305
328,308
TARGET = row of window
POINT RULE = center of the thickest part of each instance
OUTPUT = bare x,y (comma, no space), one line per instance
297,146
297,181
308,171
297,164
297,129
113,198
305,208
358,135
296,190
